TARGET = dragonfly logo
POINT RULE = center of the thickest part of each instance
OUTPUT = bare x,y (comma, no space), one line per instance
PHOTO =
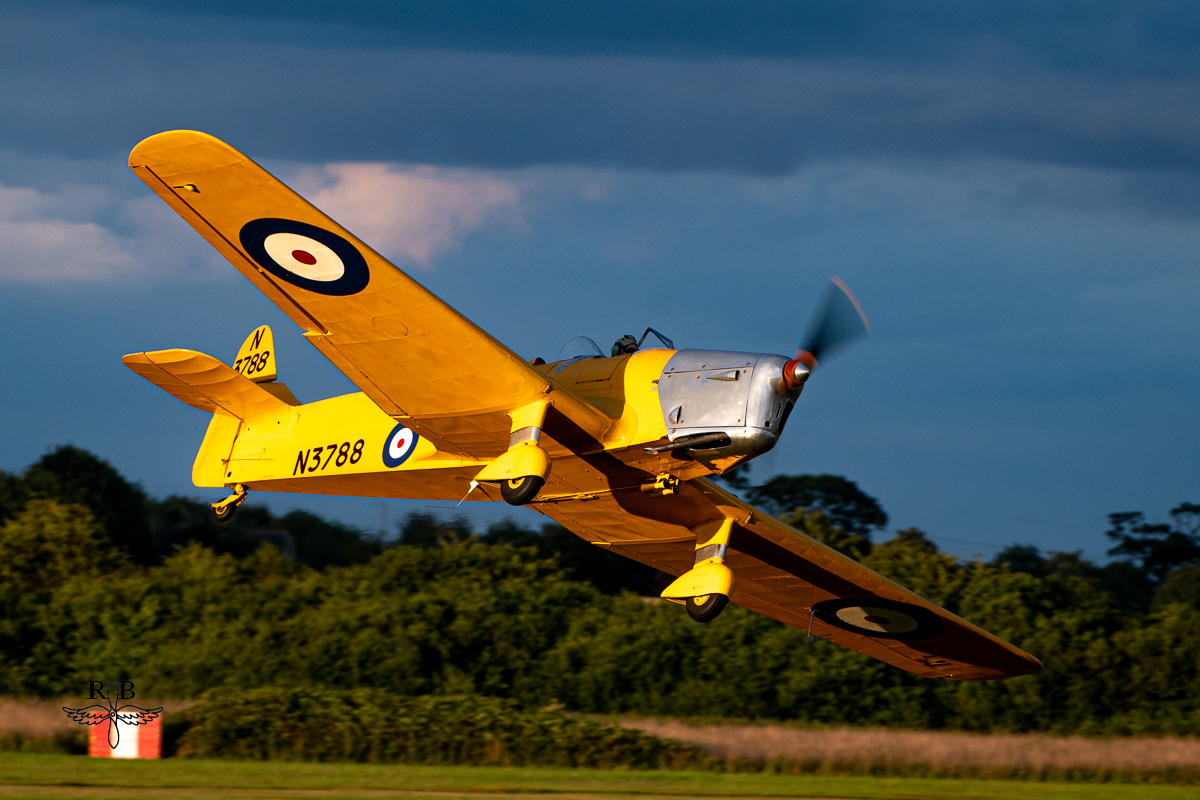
114,715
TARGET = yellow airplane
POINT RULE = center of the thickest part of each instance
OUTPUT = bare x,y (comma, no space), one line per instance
616,449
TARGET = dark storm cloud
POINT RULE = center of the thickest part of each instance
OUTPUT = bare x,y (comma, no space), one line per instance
969,168
1105,37
757,87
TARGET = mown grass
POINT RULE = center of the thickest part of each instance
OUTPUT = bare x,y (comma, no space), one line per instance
58,776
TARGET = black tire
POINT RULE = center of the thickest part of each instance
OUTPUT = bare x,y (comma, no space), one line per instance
226,514
522,490
709,609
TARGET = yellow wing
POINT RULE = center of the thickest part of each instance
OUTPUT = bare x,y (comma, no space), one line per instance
789,576
411,353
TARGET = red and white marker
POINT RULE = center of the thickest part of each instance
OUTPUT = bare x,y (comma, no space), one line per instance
137,741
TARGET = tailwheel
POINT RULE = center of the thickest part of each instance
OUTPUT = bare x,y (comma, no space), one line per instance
707,607
223,509
519,491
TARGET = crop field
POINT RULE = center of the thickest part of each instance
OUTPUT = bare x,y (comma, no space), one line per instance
57,776
993,754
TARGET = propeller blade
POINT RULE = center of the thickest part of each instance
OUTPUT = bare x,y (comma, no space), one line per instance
839,320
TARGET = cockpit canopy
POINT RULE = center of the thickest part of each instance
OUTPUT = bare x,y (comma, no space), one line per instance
579,347
584,347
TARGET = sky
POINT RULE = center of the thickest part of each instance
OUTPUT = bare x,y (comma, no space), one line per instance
1012,191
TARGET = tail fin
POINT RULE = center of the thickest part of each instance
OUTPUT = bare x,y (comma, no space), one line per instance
256,358
230,394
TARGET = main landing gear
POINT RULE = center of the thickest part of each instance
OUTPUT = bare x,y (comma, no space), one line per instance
707,607
520,491
521,470
704,589
223,509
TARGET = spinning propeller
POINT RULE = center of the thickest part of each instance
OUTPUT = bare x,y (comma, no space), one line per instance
839,320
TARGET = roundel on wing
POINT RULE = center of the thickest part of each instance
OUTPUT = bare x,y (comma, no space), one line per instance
305,255
881,619
398,446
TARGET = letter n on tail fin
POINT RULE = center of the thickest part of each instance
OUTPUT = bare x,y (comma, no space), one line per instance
256,358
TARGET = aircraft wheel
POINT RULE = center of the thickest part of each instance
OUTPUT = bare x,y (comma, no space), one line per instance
522,490
225,514
706,607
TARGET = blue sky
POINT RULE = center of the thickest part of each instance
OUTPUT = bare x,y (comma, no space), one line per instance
1012,191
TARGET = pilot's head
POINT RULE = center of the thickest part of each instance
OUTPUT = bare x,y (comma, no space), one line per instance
626,344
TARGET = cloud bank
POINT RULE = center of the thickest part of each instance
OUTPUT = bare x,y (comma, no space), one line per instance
39,244
101,233
1110,88
410,213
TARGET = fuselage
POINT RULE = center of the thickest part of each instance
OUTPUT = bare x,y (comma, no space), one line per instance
731,404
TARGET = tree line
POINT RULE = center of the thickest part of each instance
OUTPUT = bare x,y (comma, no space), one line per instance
90,587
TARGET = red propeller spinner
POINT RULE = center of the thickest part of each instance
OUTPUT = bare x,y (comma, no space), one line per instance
839,320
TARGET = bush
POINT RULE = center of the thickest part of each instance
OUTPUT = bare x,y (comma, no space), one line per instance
369,726
71,743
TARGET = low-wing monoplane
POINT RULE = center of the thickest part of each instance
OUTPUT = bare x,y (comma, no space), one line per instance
615,448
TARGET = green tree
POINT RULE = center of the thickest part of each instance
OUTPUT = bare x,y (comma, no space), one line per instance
426,530
1025,558
178,521
738,477
580,560
320,543
323,543
1157,547
1181,585
848,508
68,474
1159,675
910,559
13,494
1129,586
818,525
465,618
47,546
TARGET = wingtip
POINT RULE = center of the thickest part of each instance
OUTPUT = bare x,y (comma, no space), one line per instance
167,146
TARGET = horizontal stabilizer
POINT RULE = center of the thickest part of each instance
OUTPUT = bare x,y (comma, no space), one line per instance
204,382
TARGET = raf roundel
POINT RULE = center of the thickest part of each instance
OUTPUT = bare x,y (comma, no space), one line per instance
398,446
306,256
881,619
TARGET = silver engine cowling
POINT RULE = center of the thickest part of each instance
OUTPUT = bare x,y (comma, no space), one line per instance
730,404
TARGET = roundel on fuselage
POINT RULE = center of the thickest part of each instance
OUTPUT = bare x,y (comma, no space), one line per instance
306,256
398,446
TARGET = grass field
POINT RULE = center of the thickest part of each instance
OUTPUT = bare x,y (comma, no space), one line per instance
54,776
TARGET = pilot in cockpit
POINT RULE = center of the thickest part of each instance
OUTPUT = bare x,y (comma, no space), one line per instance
626,344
